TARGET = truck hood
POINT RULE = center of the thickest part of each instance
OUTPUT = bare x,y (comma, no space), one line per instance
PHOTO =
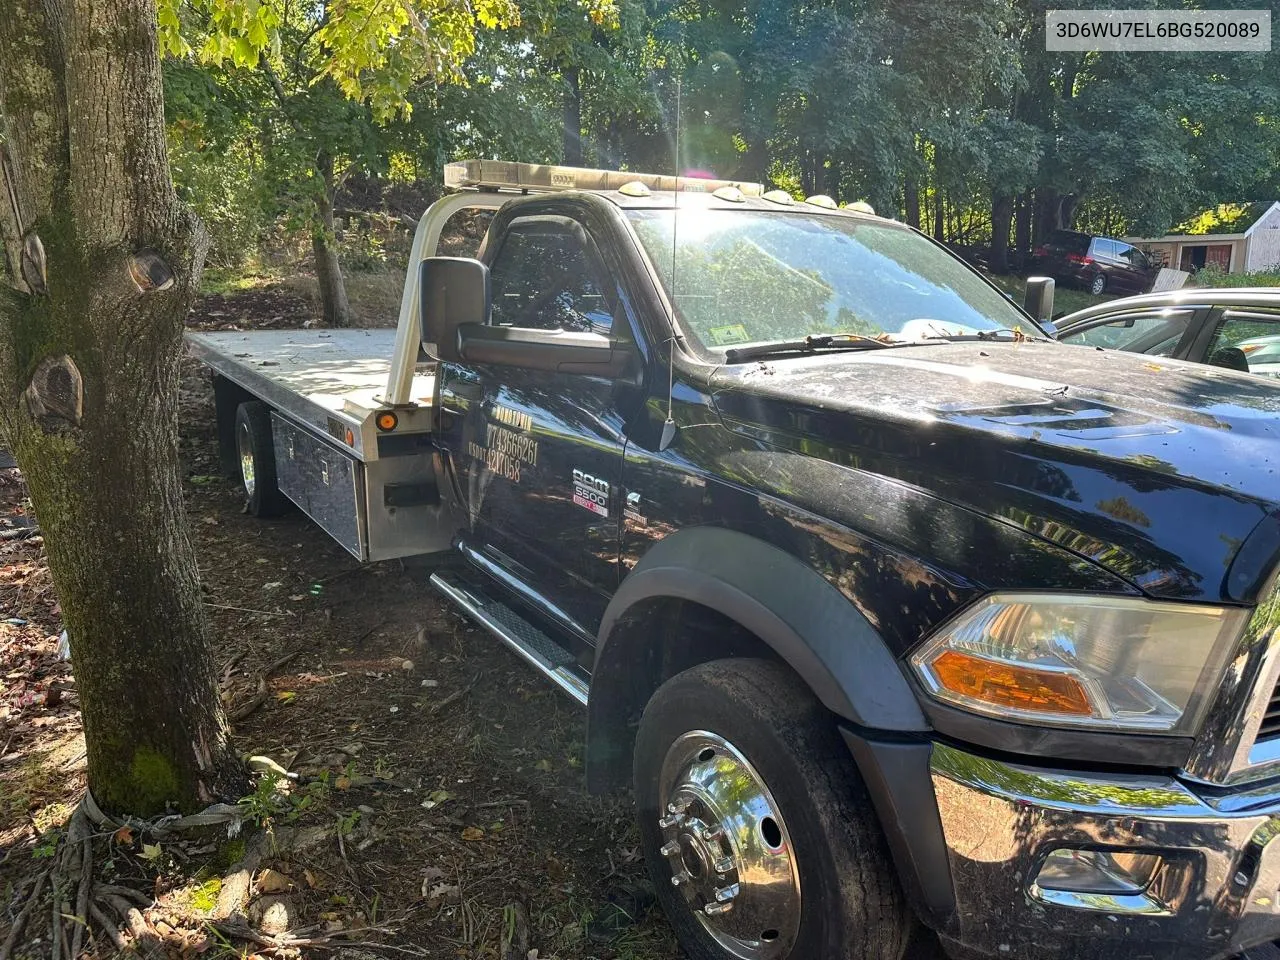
1163,472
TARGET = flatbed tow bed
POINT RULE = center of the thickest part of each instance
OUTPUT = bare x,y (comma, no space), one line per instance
350,411
314,375
372,489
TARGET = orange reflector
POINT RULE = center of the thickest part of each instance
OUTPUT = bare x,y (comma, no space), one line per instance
351,438
1011,685
387,420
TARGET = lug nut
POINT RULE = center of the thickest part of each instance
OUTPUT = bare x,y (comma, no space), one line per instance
715,909
724,865
725,894
666,823
678,806
681,878
670,849
712,834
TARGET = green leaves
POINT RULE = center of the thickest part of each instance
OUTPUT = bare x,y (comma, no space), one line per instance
374,51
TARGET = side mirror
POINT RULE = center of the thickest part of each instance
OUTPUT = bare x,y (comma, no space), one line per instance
452,291
1230,358
1038,300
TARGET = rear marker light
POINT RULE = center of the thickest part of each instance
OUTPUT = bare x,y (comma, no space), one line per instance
387,421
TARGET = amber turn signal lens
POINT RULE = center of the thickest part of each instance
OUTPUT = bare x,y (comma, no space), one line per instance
387,421
1011,685
350,438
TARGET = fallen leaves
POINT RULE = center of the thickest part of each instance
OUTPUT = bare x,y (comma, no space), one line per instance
273,881
444,891
473,833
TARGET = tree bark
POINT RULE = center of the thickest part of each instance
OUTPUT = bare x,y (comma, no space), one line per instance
90,338
830,173
1048,213
1001,220
1022,230
572,117
911,198
324,244
1067,211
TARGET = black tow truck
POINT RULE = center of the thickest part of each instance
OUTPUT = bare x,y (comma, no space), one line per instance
894,612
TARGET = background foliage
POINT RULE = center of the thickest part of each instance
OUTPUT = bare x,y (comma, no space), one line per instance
951,116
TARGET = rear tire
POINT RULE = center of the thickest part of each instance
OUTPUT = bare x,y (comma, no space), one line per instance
742,755
257,457
1098,285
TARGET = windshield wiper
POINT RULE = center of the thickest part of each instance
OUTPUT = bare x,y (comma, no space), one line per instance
810,344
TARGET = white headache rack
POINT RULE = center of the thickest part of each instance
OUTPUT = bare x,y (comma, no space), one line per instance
541,177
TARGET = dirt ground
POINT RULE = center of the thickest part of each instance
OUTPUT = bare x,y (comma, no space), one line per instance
440,809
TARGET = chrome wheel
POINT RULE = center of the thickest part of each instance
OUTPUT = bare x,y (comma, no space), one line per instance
728,848
244,444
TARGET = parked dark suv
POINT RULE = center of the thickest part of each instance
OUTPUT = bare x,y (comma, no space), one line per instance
1099,264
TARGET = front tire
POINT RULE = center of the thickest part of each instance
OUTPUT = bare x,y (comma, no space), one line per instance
1098,285
256,453
756,829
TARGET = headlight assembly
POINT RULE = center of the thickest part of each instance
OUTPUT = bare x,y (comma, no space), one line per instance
1112,663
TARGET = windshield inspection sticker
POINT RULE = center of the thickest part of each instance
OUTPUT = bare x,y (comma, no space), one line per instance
590,493
733,333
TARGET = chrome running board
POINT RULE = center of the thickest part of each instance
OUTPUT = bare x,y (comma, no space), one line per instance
527,641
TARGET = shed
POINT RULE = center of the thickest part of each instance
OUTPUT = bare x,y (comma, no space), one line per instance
1238,237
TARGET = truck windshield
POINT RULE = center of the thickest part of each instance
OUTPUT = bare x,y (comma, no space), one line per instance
747,276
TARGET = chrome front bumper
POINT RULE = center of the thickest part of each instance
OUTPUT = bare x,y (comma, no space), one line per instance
1215,892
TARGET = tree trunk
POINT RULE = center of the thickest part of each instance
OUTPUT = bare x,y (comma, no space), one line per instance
830,174
90,338
755,161
1067,211
572,118
324,244
911,198
1022,230
1001,219
1045,216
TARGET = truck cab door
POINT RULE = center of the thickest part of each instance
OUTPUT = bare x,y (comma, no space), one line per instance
537,456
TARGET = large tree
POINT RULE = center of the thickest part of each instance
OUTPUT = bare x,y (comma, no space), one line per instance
102,262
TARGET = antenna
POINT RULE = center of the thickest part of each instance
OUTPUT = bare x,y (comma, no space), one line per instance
669,427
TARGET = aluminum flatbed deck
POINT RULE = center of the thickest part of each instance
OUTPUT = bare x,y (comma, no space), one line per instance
317,377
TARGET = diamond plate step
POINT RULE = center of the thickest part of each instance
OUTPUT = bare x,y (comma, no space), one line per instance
527,641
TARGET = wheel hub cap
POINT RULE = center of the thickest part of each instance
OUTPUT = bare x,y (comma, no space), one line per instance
245,448
728,848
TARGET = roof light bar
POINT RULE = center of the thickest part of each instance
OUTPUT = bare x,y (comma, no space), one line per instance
506,175
821,200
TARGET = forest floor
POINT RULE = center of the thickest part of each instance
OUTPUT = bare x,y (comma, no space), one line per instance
440,809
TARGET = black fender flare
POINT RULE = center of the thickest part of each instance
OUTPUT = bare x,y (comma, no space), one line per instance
806,621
